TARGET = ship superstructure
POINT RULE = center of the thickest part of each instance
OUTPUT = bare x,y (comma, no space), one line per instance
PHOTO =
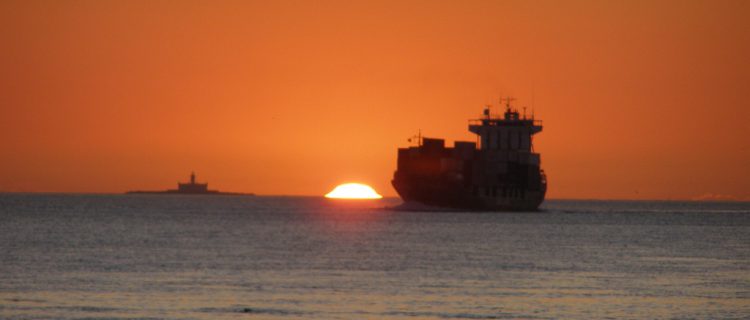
503,174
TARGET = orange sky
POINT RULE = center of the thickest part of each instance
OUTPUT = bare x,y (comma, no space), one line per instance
640,99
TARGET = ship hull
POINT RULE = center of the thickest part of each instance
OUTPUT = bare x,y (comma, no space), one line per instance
457,196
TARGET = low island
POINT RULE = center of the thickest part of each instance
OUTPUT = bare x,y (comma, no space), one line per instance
191,188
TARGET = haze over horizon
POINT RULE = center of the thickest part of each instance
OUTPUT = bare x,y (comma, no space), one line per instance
640,99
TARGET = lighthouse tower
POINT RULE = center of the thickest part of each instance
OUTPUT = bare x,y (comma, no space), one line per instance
192,186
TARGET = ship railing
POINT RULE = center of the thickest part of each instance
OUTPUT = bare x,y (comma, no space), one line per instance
479,122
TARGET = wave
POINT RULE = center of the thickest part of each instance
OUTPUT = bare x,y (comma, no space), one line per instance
416,206
444,315
255,310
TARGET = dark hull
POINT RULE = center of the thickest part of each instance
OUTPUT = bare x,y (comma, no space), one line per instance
456,196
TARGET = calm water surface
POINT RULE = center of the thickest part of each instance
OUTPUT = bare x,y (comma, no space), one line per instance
224,257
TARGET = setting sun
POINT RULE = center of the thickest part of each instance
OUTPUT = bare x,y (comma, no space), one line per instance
353,191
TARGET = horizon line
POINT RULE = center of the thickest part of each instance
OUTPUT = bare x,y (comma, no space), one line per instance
253,194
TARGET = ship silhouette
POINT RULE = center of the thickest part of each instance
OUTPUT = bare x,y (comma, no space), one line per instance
503,174
191,187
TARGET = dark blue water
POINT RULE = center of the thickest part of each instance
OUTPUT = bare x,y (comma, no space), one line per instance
224,257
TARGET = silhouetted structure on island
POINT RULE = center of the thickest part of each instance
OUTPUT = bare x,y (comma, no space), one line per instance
191,188
504,174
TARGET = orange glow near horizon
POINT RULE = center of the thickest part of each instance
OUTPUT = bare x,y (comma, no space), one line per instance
640,99
353,191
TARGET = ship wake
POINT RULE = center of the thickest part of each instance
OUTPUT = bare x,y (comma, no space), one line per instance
418,206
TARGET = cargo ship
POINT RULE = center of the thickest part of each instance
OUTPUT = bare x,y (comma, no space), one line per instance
502,174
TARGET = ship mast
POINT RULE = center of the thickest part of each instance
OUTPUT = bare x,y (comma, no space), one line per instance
507,100
417,138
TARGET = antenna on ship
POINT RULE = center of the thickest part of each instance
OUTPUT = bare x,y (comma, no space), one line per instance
532,100
508,100
418,138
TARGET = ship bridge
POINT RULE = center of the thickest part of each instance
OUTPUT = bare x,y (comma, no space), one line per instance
512,132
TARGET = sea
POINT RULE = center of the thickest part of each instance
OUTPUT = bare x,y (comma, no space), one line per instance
71,256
